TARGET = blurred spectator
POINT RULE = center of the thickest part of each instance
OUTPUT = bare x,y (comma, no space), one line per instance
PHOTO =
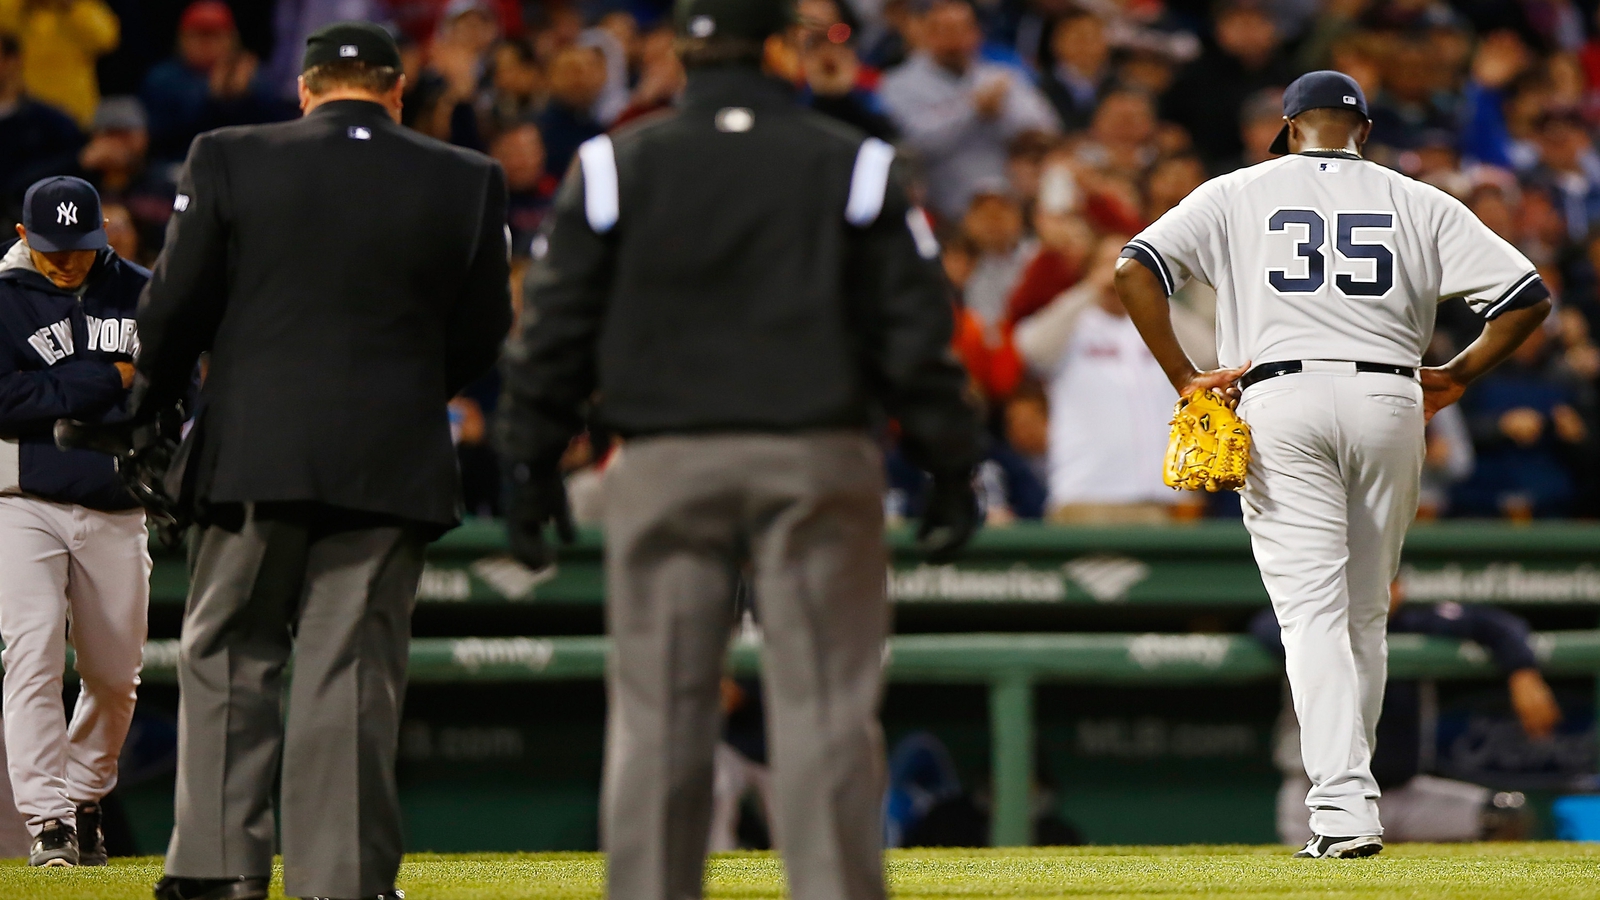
577,76
515,86
994,224
1170,180
957,112
212,81
1064,240
1207,95
1569,170
419,20
661,75
833,74
61,40
1098,371
1528,431
1259,121
1410,101
1497,96
520,151
615,45
121,233
293,21
1449,460
116,160
1122,134
446,90
1081,71
36,139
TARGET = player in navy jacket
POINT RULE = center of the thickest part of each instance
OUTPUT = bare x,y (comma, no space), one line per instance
58,354
72,539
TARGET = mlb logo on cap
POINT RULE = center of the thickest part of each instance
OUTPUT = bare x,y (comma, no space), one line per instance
349,50
63,213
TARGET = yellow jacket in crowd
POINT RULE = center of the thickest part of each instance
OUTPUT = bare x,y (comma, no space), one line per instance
61,39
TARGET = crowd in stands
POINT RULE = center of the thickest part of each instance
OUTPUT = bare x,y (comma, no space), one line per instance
1041,134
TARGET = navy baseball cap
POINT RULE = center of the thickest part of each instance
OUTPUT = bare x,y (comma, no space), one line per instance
1324,89
63,213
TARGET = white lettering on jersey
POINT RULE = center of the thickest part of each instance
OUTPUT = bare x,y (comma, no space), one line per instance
53,343
114,335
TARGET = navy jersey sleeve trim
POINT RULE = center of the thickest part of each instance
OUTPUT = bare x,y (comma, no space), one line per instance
1147,256
1528,290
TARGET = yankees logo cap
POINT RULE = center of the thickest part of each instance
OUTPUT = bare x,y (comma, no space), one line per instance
351,42
63,213
1323,89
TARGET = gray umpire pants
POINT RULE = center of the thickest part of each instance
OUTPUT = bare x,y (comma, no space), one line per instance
684,515
336,593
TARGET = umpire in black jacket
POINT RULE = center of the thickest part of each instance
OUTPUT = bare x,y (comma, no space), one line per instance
742,285
347,277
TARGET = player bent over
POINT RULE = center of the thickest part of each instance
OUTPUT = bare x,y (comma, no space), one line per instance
1327,269
72,540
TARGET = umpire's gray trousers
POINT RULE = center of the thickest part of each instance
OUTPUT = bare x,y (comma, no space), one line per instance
337,592
684,515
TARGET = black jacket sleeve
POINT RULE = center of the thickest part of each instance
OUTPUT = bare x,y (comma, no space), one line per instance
480,319
182,305
549,365
907,323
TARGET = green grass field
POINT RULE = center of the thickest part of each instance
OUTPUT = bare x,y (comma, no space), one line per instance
1547,871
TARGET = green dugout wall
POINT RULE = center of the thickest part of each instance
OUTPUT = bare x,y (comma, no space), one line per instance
1117,613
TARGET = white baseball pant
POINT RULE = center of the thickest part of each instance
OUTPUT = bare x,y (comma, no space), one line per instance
1334,468
63,565
14,837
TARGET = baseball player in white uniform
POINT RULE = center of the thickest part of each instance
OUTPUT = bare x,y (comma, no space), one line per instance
74,562
1327,269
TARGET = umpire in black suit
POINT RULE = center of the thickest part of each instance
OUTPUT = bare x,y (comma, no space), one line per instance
347,277
745,288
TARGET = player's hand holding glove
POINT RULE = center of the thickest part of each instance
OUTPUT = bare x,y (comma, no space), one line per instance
949,518
1210,445
538,498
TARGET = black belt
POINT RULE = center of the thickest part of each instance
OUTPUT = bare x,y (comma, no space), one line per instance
1273,370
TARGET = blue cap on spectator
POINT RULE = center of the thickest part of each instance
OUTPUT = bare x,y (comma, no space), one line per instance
63,213
1318,90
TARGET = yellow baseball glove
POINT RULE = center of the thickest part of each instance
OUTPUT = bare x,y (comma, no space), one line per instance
1210,445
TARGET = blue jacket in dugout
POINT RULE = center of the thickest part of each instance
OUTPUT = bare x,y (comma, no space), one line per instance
57,354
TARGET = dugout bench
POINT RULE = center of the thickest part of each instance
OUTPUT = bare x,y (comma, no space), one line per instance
1032,574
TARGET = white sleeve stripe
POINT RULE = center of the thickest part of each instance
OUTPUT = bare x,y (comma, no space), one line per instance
1511,294
601,203
868,182
1166,273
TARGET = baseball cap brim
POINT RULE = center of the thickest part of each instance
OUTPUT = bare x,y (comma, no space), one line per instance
93,240
1280,144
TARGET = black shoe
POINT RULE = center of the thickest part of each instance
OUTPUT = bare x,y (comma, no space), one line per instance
91,843
56,845
241,888
395,894
1320,847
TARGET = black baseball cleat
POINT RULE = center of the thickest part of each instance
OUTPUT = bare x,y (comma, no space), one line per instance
56,846
242,888
1320,847
91,842
395,894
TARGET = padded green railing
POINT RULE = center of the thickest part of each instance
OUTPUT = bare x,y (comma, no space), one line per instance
1206,564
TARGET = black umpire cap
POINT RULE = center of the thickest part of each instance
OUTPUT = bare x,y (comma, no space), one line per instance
1324,89
63,213
351,42
752,20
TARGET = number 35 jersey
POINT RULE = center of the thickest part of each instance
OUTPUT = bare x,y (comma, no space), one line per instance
1329,256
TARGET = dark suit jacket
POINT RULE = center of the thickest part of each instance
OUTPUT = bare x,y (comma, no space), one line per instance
348,276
